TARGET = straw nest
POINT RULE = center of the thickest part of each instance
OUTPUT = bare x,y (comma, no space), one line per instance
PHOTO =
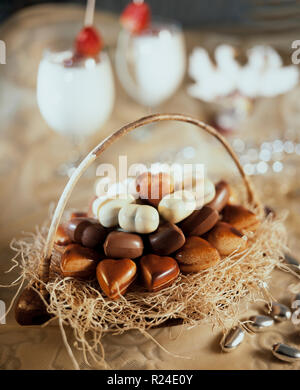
213,296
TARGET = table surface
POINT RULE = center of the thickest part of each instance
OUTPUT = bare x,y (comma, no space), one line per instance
30,153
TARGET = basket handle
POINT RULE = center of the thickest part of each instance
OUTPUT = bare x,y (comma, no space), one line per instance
44,265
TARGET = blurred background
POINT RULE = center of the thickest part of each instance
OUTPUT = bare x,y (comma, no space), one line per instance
206,14
227,62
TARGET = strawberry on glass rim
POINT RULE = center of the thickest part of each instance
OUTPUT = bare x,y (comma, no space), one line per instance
136,17
88,42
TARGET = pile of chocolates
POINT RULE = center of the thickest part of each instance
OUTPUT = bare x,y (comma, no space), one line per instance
150,240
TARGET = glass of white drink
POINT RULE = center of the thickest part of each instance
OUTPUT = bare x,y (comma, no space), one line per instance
75,99
151,64
75,90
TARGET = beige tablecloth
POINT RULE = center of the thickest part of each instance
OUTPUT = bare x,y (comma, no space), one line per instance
30,153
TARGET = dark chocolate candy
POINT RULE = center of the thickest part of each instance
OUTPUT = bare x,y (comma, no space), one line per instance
200,221
115,276
93,235
166,239
30,309
222,196
86,231
158,272
75,228
123,245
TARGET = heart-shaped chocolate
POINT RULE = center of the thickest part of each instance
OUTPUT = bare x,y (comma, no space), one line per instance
79,262
158,272
115,276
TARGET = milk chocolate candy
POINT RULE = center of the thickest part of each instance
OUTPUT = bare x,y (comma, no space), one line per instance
196,255
226,238
115,276
222,196
158,272
166,239
61,236
79,262
123,245
154,186
200,221
79,214
30,309
240,217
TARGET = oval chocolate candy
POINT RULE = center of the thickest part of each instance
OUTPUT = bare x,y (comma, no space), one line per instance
75,228
86,231
166,239
222,196
93,235
123,245
200,221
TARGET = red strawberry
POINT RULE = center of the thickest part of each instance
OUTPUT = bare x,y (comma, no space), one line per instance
88,42
136,17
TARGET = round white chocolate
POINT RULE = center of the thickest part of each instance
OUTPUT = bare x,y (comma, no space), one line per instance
177,206
108,210
204,192
209,191
141,219
97,204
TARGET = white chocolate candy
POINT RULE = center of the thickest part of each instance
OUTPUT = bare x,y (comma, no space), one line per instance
101,186
209,191
204,192
96,205
202,188
108,209
138,218
177,206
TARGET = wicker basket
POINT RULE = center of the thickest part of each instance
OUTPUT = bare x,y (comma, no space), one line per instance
38,294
